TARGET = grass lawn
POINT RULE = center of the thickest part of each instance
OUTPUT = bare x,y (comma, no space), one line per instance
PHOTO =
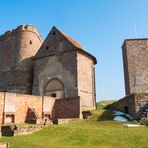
98,132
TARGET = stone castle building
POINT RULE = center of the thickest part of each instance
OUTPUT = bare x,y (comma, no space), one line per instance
58,68
135,62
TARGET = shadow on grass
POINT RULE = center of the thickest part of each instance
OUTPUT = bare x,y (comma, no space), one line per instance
106,116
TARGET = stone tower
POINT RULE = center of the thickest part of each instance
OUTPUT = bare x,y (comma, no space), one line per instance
135,60
62,69
17,47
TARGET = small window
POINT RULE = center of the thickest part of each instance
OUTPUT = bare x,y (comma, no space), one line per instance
53,33
26,27
47,47
30,42
53,95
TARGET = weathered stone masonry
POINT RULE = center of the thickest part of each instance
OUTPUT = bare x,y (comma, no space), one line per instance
135,58
17,47
56,75
135,62
65,69
17,108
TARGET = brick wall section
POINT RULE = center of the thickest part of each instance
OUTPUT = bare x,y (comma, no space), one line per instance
20,104
67,108
134,102
23,103
128,101
135,58
1,106
86,86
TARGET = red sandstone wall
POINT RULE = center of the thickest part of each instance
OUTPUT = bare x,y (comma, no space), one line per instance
1,106
85,77
18,105
23,103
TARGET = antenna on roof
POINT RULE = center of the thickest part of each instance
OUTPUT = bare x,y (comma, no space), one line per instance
135,31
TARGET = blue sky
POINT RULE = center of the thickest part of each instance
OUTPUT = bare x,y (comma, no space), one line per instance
100,26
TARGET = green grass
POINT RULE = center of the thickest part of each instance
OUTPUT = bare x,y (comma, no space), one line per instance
102,104
98,132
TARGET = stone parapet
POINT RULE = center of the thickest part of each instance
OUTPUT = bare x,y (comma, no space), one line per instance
20,29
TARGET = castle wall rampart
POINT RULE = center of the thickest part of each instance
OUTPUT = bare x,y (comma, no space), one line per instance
21,28
21,108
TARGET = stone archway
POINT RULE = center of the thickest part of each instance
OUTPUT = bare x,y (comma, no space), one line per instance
54,88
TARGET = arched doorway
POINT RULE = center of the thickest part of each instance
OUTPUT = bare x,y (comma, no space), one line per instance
54,88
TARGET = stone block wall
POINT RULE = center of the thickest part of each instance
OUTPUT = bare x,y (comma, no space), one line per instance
10,130
17,48
61,67
24,103
86,82
135,60
126,104
134,104
62,58
67,108
141,102
56,59
18,108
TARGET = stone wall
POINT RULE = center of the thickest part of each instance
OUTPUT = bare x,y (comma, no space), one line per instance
56,59
17,48
24,104
60,67
126,104
63,59
86,84
13,130
20,108
17,108
135,59
67,108
133,104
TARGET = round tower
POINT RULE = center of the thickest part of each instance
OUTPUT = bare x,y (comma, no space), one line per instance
28,42
22,44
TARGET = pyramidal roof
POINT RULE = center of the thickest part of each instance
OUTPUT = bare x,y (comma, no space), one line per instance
72,41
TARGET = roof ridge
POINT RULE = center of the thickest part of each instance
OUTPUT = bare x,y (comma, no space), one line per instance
71,40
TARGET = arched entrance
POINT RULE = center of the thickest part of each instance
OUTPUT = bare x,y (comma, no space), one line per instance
54,88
